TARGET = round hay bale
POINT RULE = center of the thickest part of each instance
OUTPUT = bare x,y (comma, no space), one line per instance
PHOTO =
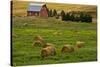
47,44
50,45
48,51
67,48
45,52
38,43
79,44
38,38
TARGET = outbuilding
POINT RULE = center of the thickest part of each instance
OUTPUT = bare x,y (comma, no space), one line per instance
37,10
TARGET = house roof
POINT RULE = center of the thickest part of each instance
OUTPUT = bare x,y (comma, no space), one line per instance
35,7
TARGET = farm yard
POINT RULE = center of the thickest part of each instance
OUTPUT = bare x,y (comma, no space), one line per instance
57,32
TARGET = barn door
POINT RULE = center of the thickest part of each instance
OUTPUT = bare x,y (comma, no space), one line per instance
36,14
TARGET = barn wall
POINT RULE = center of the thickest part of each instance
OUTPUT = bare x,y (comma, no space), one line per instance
44,12
30,13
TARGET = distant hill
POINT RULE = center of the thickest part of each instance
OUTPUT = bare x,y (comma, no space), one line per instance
20,7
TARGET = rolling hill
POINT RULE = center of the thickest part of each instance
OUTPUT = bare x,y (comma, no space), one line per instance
19,8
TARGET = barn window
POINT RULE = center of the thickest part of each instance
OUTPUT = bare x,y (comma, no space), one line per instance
36,14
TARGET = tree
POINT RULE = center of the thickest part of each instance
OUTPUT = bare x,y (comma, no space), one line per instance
82,17
63,15
54,12
85,17
77,18
67,17
72,17
50,13
57,16
88,18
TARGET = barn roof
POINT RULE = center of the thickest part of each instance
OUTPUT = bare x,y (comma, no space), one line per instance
35,7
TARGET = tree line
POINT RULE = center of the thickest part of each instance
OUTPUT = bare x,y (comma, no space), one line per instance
71,16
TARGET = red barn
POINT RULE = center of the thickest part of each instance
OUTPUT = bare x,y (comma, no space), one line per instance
37,10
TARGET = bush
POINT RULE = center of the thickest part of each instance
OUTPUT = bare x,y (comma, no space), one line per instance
76,16
85,17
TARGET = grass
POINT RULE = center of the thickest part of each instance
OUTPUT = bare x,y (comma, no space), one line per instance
23,38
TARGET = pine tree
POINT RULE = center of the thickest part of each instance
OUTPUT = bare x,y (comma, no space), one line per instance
50,13
82,17
85,17
62,13
88,18
67,17
57,16
72,17
77,18
54,12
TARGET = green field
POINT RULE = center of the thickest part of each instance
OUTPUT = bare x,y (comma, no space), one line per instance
23,38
